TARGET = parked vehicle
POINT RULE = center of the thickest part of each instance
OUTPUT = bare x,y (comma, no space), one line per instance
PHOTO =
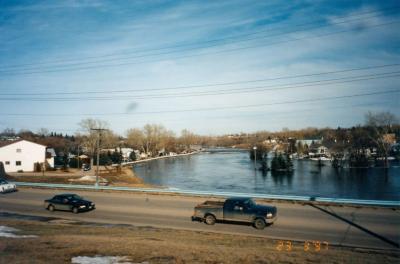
86,167
242,210
68,202
5,186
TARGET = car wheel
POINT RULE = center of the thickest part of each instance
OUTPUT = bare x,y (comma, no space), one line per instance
259,223
75,210
51,208
209,219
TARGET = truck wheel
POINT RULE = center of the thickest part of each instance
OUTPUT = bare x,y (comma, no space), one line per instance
259,223
51,208
75,210
209,219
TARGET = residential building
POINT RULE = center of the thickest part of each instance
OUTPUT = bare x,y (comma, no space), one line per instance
308,142
318,150
21,155
50,155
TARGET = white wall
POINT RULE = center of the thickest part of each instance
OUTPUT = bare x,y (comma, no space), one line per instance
50,161
29,154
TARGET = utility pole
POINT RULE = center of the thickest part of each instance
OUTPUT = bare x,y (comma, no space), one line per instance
255,157
98,130
77,159
44,162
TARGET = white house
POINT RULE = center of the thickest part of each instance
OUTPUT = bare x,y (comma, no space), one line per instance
126,152
50,155
21,155
308,142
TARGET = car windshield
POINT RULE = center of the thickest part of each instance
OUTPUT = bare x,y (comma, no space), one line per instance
249,203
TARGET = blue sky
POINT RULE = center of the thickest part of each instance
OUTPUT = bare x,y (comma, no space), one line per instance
136,62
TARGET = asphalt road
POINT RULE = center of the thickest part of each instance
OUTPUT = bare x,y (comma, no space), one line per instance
350,226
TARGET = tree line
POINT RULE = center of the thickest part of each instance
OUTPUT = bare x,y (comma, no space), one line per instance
154,138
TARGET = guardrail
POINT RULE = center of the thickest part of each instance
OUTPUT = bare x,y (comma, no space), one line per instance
218,194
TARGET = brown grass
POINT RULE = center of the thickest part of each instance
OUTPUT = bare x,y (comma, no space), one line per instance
58,243
115,176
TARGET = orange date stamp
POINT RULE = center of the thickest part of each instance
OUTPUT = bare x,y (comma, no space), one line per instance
308,246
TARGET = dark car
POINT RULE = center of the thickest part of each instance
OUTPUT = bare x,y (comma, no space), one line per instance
86,167
236,209
68,202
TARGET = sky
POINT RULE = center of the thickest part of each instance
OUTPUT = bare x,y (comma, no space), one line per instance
212,67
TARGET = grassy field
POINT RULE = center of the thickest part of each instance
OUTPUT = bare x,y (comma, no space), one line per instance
59,241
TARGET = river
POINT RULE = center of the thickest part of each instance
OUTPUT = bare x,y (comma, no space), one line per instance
234,172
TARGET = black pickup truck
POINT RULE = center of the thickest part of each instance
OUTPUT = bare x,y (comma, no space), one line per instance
243,210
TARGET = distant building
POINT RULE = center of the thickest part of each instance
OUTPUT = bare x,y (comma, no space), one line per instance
308,142
50,155
270,141
318,150
196,147
162,152
126,152
21,155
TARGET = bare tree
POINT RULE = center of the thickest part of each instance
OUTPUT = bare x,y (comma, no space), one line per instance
151,139
135,139
154,136
187,138
8,132
89,137
379,125
44,132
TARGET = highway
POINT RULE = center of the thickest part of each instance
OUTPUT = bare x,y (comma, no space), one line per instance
349,226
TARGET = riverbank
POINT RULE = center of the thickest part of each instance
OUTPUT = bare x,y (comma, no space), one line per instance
113,176
157,158
59,241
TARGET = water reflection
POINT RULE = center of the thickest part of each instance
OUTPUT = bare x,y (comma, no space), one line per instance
235,172
282,178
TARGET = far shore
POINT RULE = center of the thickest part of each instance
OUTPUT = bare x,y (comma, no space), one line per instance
156,158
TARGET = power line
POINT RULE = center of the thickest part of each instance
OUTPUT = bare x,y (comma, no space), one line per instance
214,108
274,113
219,92
188,49
391,9
194,55
205,85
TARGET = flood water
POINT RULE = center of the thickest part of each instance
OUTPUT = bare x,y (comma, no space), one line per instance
234,172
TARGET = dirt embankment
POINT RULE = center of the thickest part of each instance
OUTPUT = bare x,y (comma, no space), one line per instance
59,241
118,176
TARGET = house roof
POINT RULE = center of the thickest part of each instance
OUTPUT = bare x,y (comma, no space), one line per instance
4,143
51,151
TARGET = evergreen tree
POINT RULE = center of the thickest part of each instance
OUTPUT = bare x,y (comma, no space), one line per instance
116,157
132,156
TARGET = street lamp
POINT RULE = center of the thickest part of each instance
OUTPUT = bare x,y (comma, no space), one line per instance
255,157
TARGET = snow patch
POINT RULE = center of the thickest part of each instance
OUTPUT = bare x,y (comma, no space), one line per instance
103,260
89,178
6,231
